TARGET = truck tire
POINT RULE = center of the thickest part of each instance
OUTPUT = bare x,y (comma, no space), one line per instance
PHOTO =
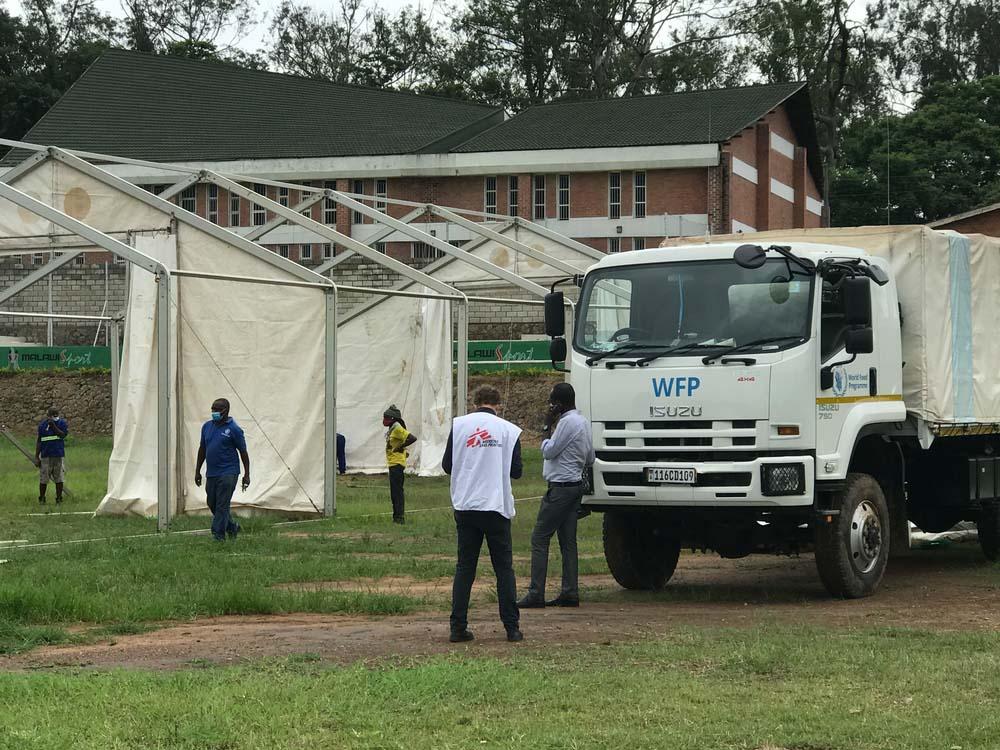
852,550
640,554
988,527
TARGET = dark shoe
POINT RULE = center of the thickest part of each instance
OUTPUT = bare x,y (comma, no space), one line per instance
461,636
515,635
236,530
561,602
58,501
531,602
400,521
41,501
582,512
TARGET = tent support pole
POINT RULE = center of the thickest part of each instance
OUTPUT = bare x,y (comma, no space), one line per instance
462,385
330,384
163,401
115,335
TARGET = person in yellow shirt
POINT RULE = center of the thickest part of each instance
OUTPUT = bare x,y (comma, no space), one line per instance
397,440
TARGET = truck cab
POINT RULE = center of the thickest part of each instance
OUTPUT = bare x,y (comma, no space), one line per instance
730,389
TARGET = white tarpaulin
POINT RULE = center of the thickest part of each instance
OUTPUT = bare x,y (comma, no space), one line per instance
260,346
949,289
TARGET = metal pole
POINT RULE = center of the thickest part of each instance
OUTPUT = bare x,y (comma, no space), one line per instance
330,453
49,311
115,370
162,401
462,384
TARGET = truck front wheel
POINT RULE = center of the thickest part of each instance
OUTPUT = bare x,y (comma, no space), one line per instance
640,553
852,550
988,527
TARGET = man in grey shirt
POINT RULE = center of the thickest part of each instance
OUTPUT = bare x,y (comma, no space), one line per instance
567,453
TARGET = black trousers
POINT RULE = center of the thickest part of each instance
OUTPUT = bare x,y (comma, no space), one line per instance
396,491
473,526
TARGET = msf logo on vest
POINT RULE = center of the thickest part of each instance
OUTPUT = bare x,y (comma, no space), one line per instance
679,386
481,438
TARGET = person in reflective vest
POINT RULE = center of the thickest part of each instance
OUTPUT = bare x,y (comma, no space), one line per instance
397,440
50,454
482,456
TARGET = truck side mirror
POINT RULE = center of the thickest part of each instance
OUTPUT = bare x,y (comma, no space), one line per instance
555,315
857,292
557,351
859,340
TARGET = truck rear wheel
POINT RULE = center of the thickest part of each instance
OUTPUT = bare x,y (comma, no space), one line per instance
852,550
988,527
640,554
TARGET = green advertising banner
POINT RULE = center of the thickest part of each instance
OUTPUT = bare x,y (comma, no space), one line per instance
55,357
490,356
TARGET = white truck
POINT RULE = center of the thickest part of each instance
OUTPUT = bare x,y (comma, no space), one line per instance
788,392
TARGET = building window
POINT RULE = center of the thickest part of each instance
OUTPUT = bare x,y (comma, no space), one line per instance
187,201
234,210
639,202
80,259
119,260
303,195
563,197
329,204
259,212
423,251
381,193
512,195
157,189
283,251
614,195
213,203
614,244
327,251
359,188
306,253
38,259
638,243
539,199
283,196
490,195
380,247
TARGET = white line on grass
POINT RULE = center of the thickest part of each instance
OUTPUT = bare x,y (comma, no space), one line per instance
202,532
62,513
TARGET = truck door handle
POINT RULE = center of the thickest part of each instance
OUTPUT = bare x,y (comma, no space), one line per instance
872,381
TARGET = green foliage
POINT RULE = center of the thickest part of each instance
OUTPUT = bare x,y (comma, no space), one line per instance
943,158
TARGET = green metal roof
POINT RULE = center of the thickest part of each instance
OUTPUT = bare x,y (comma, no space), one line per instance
173,109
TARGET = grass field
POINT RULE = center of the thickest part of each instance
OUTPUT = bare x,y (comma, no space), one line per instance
764,686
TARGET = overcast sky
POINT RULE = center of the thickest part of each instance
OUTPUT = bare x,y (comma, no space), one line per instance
258,38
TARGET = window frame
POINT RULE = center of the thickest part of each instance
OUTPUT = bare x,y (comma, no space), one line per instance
513,194
258,214
490,189
212,203
538,208
381,193
305,251
358,188
639,205
614,245
562,208
614,195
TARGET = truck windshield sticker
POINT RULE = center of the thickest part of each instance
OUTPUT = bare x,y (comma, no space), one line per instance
675,387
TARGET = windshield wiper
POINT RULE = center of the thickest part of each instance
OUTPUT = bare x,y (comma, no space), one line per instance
749,345
617,350
671,350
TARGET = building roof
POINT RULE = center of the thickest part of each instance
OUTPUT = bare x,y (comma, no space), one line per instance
710,116
173,109
948,220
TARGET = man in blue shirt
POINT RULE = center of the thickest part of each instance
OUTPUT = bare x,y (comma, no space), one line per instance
567,453
50,454
221,442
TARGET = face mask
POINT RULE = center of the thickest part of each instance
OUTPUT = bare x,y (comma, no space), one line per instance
216,416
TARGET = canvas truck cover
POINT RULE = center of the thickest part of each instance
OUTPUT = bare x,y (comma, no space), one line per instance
949,290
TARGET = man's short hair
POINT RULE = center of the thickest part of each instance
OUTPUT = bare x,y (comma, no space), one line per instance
564,395
486,394
53,411
223,401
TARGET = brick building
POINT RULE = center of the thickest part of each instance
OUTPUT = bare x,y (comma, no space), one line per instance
616,174
984,220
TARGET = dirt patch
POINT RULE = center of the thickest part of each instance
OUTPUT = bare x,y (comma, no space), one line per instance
943,589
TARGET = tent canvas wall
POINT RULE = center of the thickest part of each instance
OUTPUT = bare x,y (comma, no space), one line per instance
262,346
949,290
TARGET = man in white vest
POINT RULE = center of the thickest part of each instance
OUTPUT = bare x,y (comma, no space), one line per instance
482,456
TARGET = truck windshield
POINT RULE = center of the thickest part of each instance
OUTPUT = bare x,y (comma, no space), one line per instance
699,306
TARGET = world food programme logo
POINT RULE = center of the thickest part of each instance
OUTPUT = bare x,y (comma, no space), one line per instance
839,381
481,438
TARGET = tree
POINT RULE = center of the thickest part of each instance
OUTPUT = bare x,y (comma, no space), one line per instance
200,29
817,42
940,159
938,41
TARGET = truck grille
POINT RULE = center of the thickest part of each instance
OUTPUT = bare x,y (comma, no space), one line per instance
689,434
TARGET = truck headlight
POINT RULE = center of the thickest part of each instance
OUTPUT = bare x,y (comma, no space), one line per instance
783,479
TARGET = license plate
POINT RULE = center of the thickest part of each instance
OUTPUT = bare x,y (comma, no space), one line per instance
671,475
